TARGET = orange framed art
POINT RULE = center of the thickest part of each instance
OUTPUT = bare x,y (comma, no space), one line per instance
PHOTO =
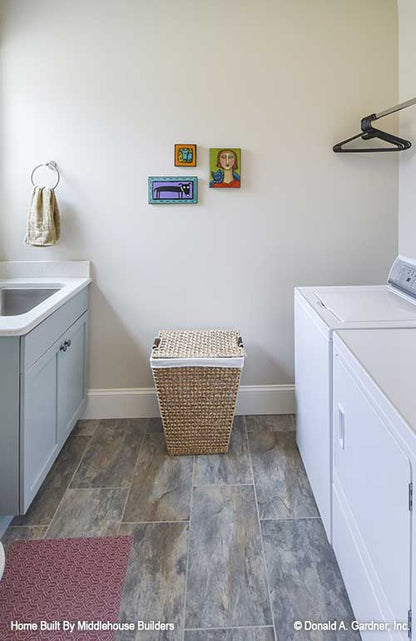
185,155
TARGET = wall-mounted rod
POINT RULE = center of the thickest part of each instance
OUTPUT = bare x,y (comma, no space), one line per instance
368,132
392,110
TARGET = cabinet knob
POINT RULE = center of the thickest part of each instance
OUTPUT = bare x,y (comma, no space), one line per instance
65,345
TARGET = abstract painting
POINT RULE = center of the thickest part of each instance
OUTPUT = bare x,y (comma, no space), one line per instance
185,155
225,167
173,189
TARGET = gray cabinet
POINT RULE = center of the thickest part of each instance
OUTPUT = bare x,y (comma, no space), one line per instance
51,384
71,386
39,438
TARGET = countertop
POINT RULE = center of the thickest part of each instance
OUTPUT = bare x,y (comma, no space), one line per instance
70,276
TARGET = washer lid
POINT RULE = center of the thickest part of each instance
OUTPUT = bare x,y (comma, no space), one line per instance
356,304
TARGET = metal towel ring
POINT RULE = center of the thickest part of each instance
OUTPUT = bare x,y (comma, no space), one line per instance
52,165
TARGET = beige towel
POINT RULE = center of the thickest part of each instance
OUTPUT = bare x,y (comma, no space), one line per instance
43,226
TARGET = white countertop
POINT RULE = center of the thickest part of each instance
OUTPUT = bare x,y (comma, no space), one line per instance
70,276
389,357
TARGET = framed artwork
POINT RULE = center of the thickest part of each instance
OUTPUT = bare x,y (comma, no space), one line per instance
225,167
185,155
173,189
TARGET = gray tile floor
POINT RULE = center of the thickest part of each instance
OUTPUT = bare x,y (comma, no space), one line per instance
226,547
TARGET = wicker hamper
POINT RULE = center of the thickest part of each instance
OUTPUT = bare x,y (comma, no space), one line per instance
197,374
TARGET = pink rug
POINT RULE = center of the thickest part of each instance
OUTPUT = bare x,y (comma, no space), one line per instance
63,580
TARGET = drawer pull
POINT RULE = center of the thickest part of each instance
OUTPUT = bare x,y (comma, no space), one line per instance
341,427
63,347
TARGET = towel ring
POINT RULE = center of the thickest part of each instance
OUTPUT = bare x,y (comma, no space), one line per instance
52,165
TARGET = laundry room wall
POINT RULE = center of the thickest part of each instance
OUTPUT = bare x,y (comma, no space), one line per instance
407,165
107,87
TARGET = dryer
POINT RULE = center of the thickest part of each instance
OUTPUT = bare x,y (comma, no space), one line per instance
319,312
374,421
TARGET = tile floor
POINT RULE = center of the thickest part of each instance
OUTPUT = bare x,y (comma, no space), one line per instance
228,548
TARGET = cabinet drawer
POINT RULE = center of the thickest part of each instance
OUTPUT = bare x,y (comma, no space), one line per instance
46,333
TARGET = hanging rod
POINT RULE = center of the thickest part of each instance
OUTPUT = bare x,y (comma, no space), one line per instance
368,133
392,110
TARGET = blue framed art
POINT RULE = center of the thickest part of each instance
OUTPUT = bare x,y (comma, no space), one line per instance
167,190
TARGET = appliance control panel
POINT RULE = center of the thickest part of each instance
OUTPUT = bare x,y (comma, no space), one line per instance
403,276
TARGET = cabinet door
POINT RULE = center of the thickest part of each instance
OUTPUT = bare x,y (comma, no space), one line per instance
39,444
371,482
71,376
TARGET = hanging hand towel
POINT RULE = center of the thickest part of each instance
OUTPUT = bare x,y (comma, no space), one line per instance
43,226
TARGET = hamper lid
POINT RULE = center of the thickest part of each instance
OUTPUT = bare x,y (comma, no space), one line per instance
201,343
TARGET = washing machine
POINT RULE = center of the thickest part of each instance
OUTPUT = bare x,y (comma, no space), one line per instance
319,312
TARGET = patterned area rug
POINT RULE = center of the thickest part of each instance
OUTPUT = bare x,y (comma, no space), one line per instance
63,580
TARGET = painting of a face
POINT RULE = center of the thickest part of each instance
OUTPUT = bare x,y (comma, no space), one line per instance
227,159
225,168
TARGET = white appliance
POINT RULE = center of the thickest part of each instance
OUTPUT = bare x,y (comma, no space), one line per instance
374,434
319,311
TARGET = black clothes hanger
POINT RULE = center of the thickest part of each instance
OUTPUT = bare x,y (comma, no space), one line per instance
368,133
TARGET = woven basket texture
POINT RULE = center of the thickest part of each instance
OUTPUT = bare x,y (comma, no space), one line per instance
197,406
208,343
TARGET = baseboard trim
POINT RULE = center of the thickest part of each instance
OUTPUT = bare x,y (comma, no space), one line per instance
142,401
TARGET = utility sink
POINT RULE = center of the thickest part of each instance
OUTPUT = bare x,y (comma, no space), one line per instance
30,291
19,300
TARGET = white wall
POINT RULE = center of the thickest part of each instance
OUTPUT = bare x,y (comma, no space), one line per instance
407,90
106,88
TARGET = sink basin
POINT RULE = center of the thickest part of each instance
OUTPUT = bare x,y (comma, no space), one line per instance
19,300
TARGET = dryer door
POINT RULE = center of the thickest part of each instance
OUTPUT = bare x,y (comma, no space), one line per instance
372,520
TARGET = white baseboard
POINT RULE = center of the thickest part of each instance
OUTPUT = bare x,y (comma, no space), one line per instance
266,399
142,402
